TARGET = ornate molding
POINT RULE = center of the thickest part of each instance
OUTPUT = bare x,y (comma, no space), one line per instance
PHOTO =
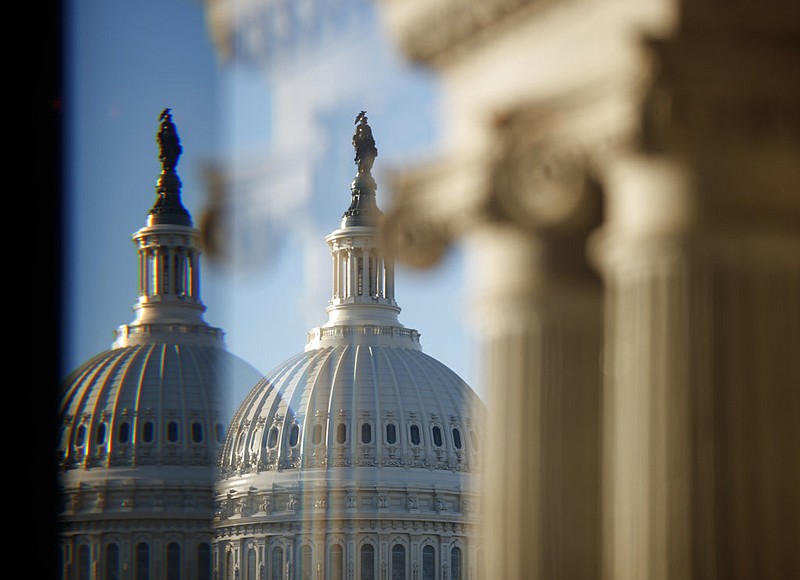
427,30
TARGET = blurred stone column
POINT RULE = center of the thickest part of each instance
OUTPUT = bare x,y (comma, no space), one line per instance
701,258
536,305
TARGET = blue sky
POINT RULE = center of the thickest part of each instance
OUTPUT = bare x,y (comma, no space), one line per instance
282,130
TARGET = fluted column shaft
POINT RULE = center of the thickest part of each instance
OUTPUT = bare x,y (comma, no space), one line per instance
702,448
541,328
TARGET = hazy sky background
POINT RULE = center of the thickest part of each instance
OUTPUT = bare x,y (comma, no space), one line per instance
281,128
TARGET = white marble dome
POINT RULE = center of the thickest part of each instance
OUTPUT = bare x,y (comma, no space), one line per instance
354,406
148,404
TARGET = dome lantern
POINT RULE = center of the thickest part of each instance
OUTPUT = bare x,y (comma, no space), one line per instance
169,306
363,299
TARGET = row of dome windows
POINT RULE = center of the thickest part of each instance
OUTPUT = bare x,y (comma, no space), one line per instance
335,565
112,566
391,435
147,433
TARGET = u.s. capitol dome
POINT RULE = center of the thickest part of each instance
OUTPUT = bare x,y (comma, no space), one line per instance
356,458
141,424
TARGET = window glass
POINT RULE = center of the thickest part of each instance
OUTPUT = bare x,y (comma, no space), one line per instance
306,573
457,438
141,569
80,436
428,563
398,562
84,564
317,435
337,562
100,435
294,435
391,434
124,433
341,433
272,440
112,562
437,436
415,434
204,562
197,432
173,561
148,432
367,562
251,564
277,563
455,563
366,433
172,431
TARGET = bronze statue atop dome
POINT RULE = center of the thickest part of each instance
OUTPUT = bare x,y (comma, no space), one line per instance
364,144
168,207
168,142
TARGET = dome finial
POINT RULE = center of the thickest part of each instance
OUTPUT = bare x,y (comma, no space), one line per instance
168,207
363,209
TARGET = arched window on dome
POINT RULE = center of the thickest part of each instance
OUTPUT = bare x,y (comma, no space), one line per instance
272,440
141,563
398,562
336,563
367,562
124,432
316,436
437,436
172,432
204,561
276,563
428,563
341,433
173,561
366,433
197,432
294,435
251,564
80,436
391,433
100,434
455,563
457,438
111,569
148,432
414,432
84,563
304,569
230,569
